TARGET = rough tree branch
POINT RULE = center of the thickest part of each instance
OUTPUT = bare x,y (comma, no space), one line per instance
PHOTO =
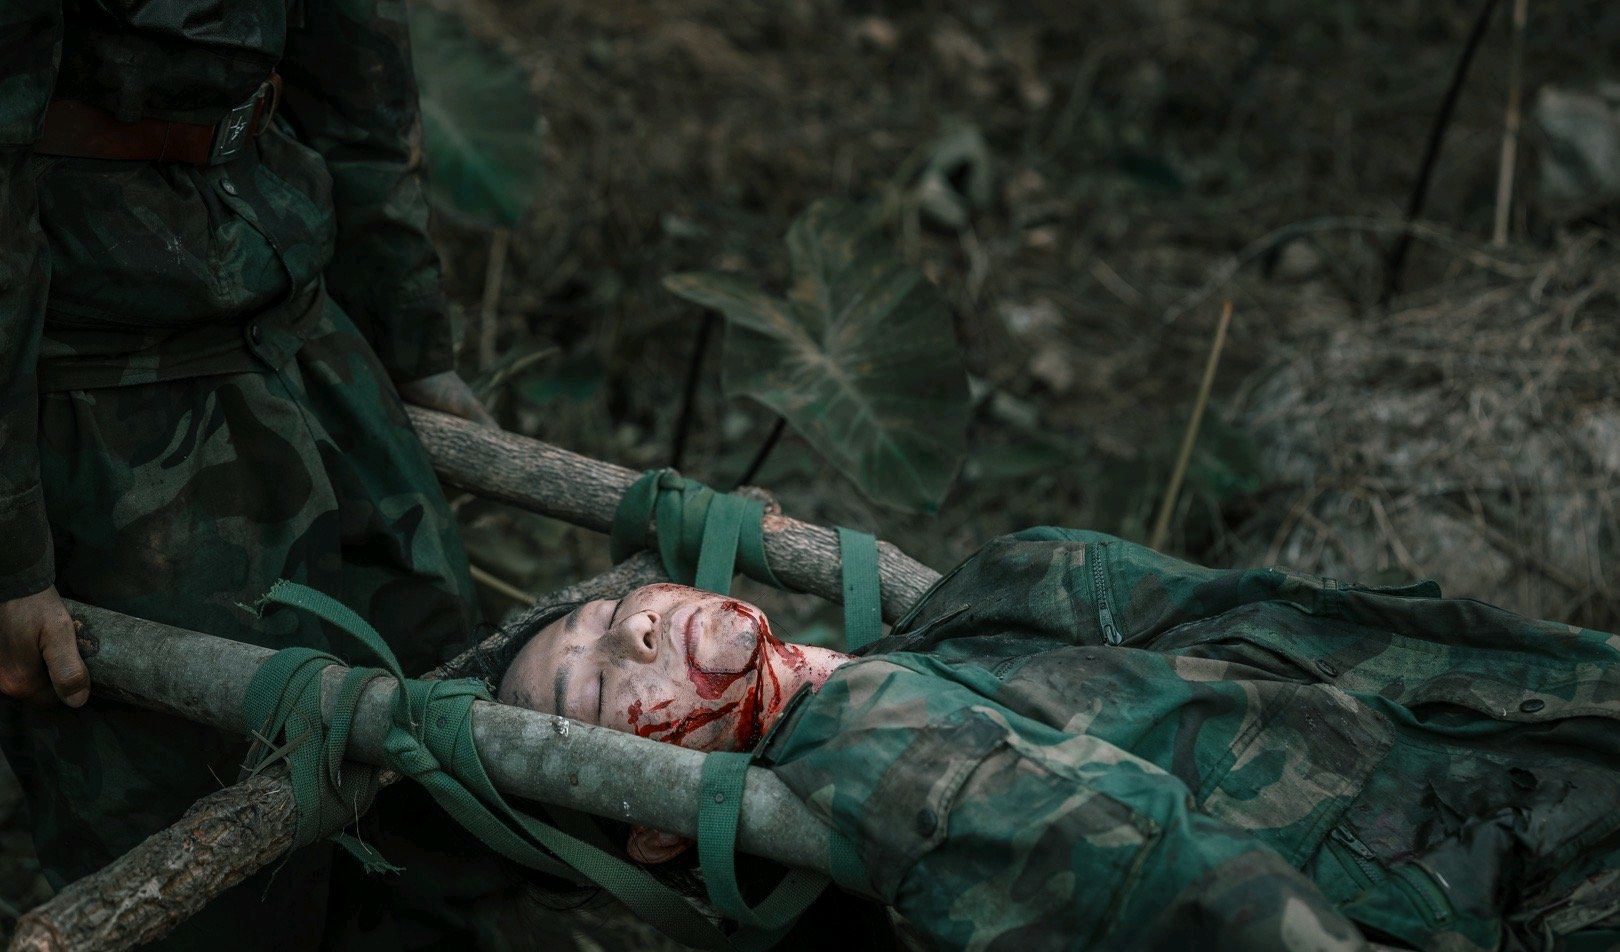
585,492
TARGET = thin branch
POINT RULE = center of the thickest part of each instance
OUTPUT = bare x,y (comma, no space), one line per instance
1167,505
1510,127
764,452
489,309
1431,152
694,374
499,585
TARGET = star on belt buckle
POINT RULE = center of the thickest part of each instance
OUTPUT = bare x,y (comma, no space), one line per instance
231,134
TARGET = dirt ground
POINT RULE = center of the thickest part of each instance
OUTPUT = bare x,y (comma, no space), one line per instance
1103,176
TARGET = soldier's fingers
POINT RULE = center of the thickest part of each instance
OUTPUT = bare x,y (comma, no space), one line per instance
60,648
21,674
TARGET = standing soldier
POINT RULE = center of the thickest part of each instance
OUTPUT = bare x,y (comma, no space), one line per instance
215,286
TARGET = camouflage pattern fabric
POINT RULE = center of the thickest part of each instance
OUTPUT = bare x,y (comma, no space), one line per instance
1075,742
182,502
119,273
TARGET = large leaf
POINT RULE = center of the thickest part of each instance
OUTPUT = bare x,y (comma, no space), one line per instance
480,121
860,357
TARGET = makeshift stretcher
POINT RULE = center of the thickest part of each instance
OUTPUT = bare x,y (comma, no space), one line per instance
233,833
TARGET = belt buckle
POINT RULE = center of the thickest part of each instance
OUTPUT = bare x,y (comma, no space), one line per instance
231,133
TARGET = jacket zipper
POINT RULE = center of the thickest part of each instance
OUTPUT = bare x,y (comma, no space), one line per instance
1099,591
1361,859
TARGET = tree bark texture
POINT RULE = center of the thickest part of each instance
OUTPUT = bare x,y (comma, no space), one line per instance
585,492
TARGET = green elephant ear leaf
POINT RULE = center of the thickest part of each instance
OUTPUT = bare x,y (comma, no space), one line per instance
860,358
481,123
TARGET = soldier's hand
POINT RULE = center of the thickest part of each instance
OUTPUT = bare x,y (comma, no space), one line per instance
448,393
39,651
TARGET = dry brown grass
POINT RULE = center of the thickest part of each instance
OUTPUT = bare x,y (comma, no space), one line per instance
1472,436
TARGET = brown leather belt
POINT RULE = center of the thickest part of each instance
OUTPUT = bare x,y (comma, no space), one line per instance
83,131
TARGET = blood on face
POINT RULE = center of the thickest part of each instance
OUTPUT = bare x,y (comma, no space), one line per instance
743,717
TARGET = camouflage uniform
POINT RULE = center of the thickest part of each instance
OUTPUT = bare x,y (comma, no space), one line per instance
197,371
1076,742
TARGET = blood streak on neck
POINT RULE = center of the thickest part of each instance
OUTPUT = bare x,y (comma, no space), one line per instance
676,731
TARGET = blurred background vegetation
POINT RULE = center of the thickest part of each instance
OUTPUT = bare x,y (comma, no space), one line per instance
1085,183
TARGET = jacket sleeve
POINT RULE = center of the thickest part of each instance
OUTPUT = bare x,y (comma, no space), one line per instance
31,47
350,93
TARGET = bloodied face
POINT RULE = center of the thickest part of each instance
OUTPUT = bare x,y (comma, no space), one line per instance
666,662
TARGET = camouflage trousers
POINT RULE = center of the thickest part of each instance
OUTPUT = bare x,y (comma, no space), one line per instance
182,501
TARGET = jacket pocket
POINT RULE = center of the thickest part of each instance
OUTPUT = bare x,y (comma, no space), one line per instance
1299,761
908,811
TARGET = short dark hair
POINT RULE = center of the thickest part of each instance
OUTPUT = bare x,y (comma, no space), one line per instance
493,654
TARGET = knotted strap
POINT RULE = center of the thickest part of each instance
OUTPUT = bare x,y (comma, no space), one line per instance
704,537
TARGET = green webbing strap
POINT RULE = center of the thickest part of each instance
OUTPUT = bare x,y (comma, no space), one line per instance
430,741
720,794
704,537
863,603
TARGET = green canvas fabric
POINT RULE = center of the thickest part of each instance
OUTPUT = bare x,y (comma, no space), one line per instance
183,502
124,273
1075,742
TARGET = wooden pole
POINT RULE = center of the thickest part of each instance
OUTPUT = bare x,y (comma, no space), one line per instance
229,835
585,492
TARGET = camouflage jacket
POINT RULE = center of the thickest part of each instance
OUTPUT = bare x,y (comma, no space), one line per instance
1076,742
117,273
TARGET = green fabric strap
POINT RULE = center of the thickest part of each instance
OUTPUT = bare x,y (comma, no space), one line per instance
863,601
431,742
720,798
703,537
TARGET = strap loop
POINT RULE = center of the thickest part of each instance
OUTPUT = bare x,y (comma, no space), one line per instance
863,604
720,795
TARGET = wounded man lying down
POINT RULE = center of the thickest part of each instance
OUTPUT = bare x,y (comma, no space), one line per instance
1075,742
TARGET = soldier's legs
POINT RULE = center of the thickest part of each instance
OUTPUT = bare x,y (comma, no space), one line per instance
183,502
